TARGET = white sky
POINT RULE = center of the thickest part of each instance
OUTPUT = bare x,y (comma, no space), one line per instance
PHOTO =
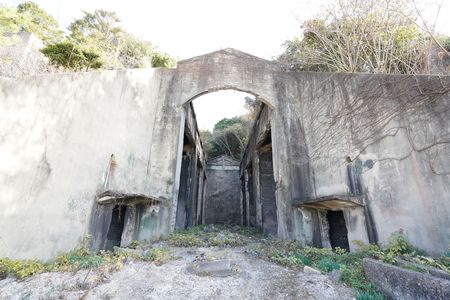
212,107
187,28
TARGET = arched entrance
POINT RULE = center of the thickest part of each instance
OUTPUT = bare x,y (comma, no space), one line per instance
255,187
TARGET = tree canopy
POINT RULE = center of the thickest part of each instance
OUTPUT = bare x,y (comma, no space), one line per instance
376,36
28,17
96,40
230,135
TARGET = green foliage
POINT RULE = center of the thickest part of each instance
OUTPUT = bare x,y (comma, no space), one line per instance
207,236
327,264
399,244
226,123
368,296
230,137
95,40
181,239
39,22
29,17
81,258
225,239
360,36
21,268
72,57
134,244
162,60
158,255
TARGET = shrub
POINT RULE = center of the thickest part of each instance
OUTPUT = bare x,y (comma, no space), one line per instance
399,244
21,268
158,255
326,264
303,259
368,296
226,239
179,239
134,244
81,258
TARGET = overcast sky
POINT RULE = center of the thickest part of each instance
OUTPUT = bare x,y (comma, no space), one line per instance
187,28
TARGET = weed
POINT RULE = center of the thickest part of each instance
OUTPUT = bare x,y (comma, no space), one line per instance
21,268
327,264
184,239
399,244
158,255
368,296
134,244
225,239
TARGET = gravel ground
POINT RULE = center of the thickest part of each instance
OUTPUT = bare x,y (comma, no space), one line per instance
252,278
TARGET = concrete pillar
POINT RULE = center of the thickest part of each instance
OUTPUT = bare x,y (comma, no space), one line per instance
256,189
129,227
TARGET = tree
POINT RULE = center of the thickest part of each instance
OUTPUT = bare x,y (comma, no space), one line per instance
229,136
360,36
99,32
160,60
135,53
72,57
39,22
28,17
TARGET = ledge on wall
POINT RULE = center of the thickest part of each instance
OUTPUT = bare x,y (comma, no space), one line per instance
110,197
329,202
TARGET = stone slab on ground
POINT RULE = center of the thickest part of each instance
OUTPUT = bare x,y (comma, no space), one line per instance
215,268
403,284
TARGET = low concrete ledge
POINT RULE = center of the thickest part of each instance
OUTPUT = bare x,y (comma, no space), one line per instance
329,202
110,197
398,283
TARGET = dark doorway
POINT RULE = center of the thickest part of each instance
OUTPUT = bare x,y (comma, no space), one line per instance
338,230
267,187
244,202
114,236
251,199
185,181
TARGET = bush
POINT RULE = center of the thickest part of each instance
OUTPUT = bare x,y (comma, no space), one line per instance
303,259
158,255
368,296
326,264
179,239
81,258
134,244
399,244
225,239
21,268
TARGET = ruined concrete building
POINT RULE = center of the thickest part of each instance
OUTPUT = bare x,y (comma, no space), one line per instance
117,155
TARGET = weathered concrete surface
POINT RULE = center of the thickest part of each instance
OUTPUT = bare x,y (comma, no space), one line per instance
252,279
21,56
223,203
214,268
57,135
402,284
382,138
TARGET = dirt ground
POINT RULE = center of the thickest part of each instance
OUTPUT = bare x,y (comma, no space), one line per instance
250,278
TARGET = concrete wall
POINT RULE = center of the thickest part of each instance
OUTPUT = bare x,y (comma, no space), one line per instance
57,133
57,136
223,203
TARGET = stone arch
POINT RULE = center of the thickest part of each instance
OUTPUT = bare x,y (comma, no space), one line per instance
226,69
265,99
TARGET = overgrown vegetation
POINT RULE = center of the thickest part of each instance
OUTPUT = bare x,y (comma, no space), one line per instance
364,36
94,41
80,258
230,135
210,236
349,264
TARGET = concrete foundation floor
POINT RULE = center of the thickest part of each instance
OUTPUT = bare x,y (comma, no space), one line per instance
251,278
